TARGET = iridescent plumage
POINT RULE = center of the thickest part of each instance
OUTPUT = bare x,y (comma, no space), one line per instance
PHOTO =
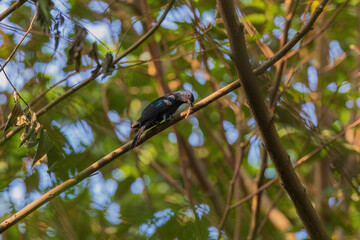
160,109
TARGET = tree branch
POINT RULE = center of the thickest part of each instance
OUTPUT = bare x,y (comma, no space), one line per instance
146,35
289,14
2,68
318,33
12,8
299,162
120,151
307,27
231,189
109,158
256,201
257,71
270,137
95,74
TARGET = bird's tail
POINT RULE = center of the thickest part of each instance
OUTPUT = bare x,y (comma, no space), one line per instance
137,136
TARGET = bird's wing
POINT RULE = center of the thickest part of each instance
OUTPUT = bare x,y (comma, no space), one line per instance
157,107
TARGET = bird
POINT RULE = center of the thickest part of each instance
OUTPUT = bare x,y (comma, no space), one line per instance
160,110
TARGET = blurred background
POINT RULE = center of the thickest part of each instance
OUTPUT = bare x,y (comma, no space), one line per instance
182,183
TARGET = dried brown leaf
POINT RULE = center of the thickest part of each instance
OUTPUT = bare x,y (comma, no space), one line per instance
29,136
16,117
108,65
93,54
59,20
76,47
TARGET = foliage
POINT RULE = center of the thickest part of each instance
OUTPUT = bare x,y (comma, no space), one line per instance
176,184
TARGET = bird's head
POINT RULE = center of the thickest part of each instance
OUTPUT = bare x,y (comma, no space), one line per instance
185,96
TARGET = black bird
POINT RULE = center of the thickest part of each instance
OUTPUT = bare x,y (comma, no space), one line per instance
160,109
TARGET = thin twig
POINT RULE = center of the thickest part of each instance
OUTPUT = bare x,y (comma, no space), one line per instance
186,180
250,196
215,138
307,27
109,158
147,35
13,53
318,33
300,161
167,176
257,71
269,134
95,74
290,10
215,86
157,167
118,152
251,30
264,220
231,190
17,45
146,191
122,150
15,90
124,36
53,86
256,202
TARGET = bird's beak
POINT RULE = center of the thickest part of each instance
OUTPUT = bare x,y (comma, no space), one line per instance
190,103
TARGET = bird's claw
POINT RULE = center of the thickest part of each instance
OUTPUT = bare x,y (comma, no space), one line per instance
188,112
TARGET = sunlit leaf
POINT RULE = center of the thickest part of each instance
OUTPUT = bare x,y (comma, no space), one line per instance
29,136
256,18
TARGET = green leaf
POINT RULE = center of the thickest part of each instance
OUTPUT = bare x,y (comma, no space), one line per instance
43,14
45,145
256,18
